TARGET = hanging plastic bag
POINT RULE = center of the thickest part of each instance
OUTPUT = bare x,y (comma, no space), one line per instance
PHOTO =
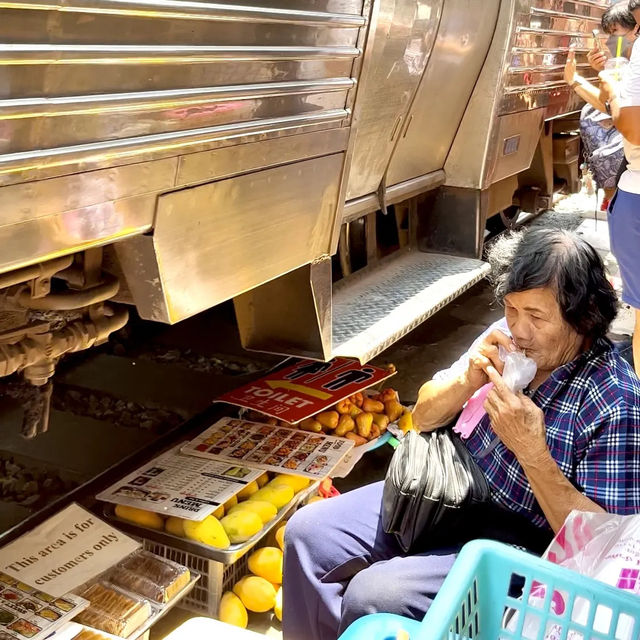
602,546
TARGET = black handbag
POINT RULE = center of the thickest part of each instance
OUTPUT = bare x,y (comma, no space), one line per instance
431,483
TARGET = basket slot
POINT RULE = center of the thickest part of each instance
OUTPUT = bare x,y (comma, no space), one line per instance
215,579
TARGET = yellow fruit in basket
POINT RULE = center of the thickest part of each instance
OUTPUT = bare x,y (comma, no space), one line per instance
248,491
263,479
208,531
297,483
175,526
231,502
266,562
219,512
280,536
265,510
241,525
277,607
144,518
257,594
232,611
278,494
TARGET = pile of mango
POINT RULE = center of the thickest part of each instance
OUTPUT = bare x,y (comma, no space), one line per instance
235,522
362,417
261,590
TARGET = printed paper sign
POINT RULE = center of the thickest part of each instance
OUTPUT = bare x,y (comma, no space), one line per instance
65,551
179,485
26,613
271,448
305,388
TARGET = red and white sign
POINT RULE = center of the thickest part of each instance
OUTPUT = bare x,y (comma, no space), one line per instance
305,388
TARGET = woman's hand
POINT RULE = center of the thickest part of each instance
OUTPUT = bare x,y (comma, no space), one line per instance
516,420
486,355
597,59
570,67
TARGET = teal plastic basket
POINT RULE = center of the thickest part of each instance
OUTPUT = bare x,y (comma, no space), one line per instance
474,602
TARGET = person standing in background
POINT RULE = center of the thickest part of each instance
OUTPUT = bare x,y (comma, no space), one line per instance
622,102
603,144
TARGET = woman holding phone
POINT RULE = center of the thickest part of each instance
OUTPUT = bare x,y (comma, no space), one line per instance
602,142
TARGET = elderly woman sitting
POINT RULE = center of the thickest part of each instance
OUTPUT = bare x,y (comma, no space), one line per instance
570,441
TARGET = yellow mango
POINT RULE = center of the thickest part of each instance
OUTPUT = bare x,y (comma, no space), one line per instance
277,607
231,502
232,611
219,512
247,491
208,531
144,518
241,525
266,562
297,483
265,510
263,479
278,495
257,594
279,535
175,526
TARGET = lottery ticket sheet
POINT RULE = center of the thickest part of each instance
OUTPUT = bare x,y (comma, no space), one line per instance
271,448
180,485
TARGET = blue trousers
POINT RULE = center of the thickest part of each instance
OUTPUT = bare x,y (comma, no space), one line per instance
624,233
340,565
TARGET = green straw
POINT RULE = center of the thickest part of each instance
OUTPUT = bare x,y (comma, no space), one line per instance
619,49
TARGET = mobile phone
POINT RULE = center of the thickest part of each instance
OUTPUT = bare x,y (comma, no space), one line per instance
596,38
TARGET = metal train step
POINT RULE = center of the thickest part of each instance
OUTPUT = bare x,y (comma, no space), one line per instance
377,308
302,314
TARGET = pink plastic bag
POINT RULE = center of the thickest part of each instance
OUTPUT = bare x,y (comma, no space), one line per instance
473,412
602,546
518,372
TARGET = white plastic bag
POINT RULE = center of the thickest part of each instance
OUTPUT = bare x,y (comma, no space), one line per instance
599,545
519,370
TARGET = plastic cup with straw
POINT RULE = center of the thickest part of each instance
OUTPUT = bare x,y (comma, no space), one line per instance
614,67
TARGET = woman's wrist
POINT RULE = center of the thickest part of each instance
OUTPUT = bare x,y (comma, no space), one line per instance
577,82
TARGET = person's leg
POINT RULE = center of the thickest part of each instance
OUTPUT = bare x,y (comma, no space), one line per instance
624,233
326,544
403,585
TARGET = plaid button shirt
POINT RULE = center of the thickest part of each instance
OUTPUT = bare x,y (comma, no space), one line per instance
592,415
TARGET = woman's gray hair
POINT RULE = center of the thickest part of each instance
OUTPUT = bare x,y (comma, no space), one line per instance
564,262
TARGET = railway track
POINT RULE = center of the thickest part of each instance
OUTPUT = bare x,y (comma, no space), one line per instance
111,403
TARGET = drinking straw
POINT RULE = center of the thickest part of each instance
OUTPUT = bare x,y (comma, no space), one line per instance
619,49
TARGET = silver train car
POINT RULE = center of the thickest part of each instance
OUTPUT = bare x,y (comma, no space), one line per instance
175,154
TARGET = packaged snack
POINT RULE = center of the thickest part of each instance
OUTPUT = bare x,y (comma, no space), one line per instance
151,576
112,611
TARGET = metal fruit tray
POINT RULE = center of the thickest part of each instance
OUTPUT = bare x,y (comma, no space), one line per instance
225,556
